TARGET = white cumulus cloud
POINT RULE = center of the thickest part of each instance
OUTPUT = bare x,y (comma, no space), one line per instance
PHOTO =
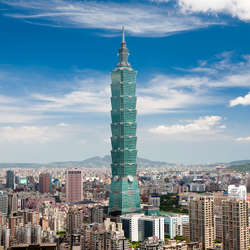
31,134
62,124
152,99
243,139
221,73
241,100
76,101
236,8
205,124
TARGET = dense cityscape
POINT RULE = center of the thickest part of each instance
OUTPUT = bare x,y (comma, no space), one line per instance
180,209
122,207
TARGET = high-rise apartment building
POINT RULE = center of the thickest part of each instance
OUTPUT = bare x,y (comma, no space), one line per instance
14,221
3,203
235,224
12,203
5,237
30,217
219,197
248,184
218,228
74,220
201,221
10,179
96,214
44,183
124,192
74,185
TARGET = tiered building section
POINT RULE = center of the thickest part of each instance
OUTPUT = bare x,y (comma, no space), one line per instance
124,192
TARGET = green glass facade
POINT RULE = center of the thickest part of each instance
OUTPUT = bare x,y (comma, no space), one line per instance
124,191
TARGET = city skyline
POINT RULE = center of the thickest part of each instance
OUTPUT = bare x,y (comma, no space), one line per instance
188,208
193,81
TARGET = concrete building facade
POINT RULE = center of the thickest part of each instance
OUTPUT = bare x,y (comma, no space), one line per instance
235,224
74,185
201,221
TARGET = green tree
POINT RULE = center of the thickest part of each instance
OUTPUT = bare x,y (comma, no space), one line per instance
61,233
134,244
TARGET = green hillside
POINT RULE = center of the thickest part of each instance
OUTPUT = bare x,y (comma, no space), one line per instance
240,168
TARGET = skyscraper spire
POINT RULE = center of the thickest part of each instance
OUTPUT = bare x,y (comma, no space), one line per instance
123,37
123,51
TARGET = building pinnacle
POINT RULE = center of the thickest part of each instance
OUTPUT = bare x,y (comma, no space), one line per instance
123,51
123,37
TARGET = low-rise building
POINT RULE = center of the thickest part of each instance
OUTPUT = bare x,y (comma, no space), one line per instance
138,227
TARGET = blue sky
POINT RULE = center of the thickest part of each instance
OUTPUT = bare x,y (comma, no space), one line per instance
193,62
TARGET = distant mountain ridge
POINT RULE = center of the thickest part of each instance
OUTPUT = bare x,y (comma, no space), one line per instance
240,166
104,162
93,162
243,162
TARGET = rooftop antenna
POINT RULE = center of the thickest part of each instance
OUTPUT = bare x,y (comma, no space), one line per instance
123,37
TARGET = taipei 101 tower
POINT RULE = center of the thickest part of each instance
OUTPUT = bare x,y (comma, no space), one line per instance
124,191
